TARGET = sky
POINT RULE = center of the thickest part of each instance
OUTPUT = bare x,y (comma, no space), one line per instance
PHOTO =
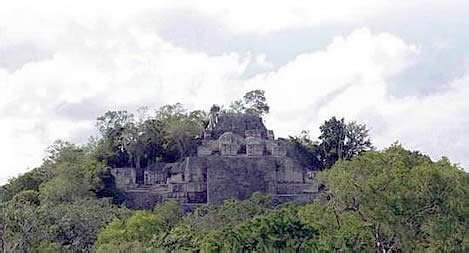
400,67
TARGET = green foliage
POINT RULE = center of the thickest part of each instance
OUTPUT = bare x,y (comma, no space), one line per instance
21,225
165,228
66,187
337,232
167,135
56,202
342,141
394,200
232,212
236,226
28,197
357,140
77,176
279,230
408,201
237,106
128,247
180,128
182,238
50,247
145,228
70,226
253,102
28,181
112,147
53,206
67,172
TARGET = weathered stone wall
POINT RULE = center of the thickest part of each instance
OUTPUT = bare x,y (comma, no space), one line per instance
155,174
275,148
256,133
236,177
254,146
213,179
204,151
124,177
238,123
230,143
239,177
290,171
237,157
195,171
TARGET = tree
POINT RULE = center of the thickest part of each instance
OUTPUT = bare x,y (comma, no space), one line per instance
29,181
112,122
357,140
332,138
237,106
167,135
406,201
180,129
75,226
342,141
32,225
75,175
278,230
253,102
114,129
21,223
337,232
147,228
202,228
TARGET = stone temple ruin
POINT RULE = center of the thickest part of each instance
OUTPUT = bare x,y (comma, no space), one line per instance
236,157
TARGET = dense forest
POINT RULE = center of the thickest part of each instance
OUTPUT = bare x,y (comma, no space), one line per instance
371,200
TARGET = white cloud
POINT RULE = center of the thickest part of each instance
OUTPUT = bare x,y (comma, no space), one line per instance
246,16
98,69
23,19
350,78
346,77
436,124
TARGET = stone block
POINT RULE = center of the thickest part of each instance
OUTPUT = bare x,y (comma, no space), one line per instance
175,187
237,177
124,177
254,146
256,133
275,149
196,187
229,144
203,151
237,123
278,151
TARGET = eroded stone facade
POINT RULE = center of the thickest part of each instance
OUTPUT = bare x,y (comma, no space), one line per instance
236,157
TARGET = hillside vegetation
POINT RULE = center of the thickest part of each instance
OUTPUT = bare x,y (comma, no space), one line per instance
371,200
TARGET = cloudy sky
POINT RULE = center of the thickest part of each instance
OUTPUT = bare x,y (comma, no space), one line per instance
401,67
